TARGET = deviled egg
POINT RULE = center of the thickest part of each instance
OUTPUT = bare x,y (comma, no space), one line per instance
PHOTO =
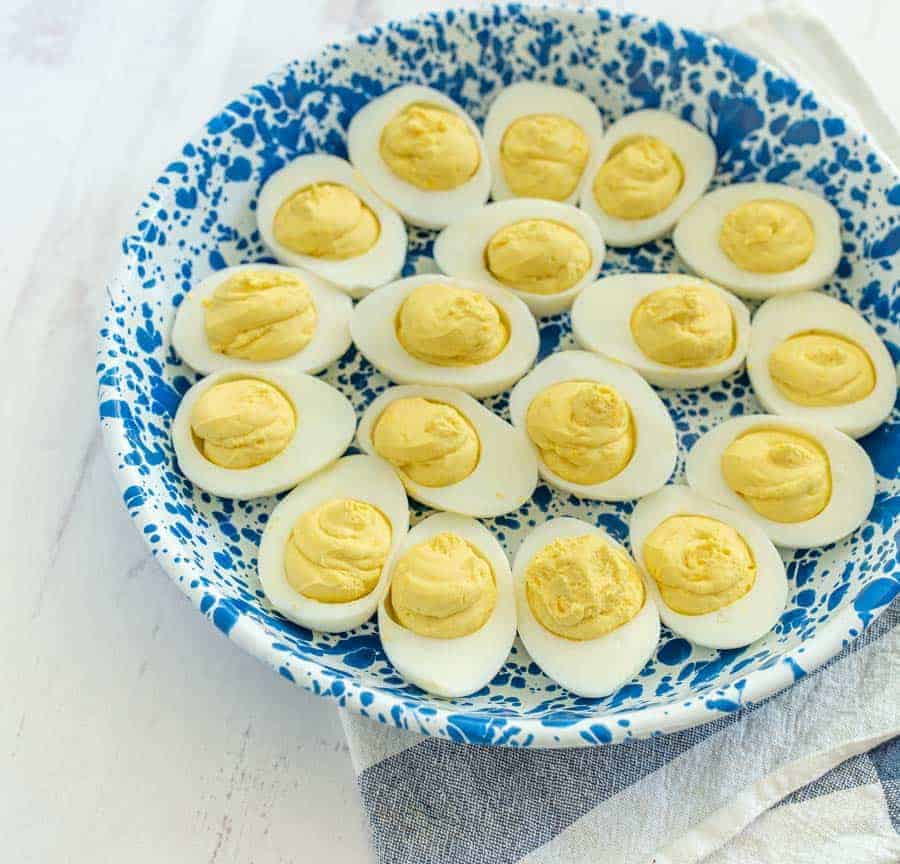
540,139
543,251
441,330
448,620
450,452
262,314
761,239
818,359
584,614
674,330
253,431
649,168
803,483
598,429
713,573
323,553
318,214
422,153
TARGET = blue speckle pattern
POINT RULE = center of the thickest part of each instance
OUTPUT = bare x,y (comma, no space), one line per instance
199,217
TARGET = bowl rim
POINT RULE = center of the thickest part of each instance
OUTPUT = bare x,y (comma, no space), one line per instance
488,728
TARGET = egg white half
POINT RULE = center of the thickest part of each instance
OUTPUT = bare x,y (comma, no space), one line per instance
852,480
505,475
697,240
780,318
590,667
361,478
421,207
601,322
354,276
460,248
325,424
460,666
656,448
373,325
739,623
530,97
330,340
694,149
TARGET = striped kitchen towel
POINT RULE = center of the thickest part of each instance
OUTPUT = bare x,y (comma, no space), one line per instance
809,775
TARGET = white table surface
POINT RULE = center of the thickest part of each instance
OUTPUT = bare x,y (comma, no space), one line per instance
131,730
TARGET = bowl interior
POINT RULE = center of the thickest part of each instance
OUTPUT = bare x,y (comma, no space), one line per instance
199,216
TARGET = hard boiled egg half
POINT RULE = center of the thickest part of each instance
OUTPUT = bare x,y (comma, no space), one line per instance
818,359
714,575
318,214
448,620
450,452
543,251
540,139
583,612
442,330
253,431
323,553
649,168
761,239
803,483
674,330
597,428
262,314
422,153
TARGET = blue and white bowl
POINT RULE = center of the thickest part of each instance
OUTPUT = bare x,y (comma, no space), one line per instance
199,216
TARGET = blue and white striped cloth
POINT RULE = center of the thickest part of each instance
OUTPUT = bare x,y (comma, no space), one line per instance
809,775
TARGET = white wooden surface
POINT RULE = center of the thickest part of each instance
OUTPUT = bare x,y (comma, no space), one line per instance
130,730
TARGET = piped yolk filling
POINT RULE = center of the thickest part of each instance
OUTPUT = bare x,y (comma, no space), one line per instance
242,423
443,588
430,147
583,430
583,587
640,178
538,256
260,315
449,326
767,236
336,551
543,156
431,443
327,221
688,326
783,475
820,369
699,564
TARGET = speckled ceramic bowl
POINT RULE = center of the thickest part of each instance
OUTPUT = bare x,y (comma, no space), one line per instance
199,216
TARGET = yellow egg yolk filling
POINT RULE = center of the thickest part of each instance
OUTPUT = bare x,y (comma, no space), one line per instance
538,256
583,430
443,588
583,587
640,178
543,156
260,315
449,326
430,443
783,475
336,551
688,326
819,369
242,423
699,564
767,236
327,221
430,147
